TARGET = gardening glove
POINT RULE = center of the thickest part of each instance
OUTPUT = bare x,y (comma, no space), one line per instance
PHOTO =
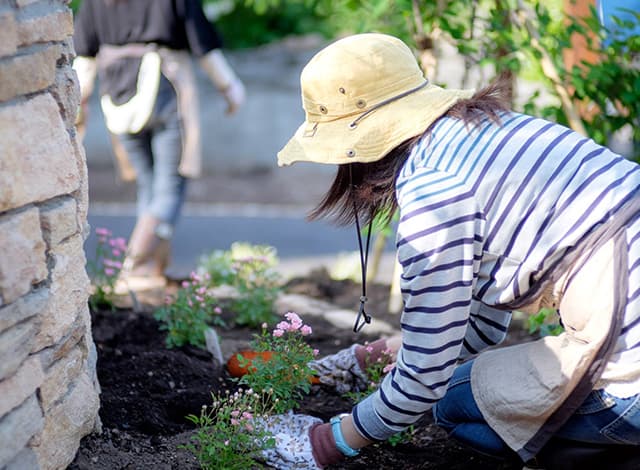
345,370
302,442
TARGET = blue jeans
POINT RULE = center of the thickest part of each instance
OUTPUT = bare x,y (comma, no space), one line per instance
601,419
155,154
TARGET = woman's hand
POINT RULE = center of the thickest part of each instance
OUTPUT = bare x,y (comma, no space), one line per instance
341,371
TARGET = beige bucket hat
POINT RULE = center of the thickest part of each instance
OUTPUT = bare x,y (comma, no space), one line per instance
363,95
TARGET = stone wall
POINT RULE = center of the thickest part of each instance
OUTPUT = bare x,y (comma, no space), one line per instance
48,386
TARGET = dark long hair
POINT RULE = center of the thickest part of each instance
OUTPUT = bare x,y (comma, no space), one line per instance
368,189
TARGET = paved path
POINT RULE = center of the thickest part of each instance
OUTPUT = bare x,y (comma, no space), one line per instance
301,245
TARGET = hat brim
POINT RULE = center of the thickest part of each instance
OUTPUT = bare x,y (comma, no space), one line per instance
335,142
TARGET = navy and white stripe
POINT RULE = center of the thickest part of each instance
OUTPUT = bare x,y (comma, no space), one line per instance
483,214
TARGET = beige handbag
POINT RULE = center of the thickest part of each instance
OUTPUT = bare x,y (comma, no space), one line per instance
132,116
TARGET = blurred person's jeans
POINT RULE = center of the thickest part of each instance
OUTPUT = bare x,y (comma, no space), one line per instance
155,154
601,419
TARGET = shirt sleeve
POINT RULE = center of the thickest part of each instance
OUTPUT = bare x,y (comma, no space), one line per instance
439,243
85,39
202,36
488,326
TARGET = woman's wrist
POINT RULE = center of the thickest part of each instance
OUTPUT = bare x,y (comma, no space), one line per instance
351,435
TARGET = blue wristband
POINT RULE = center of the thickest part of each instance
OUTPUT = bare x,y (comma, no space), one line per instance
341,444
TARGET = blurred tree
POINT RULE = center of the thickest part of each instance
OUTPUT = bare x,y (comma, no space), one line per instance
513,37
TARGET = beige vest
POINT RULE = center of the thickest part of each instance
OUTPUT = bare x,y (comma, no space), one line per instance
527,391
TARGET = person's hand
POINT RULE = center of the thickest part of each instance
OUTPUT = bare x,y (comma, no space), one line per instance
234,95
293,449
341,370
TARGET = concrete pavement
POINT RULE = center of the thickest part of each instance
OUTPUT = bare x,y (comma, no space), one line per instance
267,207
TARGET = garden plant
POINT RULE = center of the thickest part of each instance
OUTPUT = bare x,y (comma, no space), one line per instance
104,267
231,432
282,376
190,313
250,269
228,432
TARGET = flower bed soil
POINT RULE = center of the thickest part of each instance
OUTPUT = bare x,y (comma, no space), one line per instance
147,390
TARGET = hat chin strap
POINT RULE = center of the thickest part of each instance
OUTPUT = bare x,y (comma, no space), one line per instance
363,317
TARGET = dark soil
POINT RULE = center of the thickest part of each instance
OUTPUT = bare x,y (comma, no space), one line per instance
147,390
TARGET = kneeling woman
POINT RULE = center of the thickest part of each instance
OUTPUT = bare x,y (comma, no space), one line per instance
499,211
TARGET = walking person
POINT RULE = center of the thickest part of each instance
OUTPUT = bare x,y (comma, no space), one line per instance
142,52
498,211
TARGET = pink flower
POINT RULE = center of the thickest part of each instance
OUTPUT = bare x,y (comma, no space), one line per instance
295,320
316,352
264,326
185,284
234,422
115,252
249,427
109,271
284,326
235,413
247,415
226,442
112,263
388,368
190,303
217,310
103,231
278,332
306,330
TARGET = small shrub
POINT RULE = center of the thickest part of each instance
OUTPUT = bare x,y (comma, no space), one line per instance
104,268
218,265
227,434
189,314
251,270
285,377
258,288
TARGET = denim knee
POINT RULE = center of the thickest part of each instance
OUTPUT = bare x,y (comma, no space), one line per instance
458,404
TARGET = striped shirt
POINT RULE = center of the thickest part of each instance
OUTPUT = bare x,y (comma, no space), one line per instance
484,212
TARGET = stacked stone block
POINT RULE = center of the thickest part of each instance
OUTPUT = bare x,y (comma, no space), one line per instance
48,386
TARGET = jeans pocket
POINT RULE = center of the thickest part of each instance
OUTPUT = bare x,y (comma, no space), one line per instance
597,400
625,429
